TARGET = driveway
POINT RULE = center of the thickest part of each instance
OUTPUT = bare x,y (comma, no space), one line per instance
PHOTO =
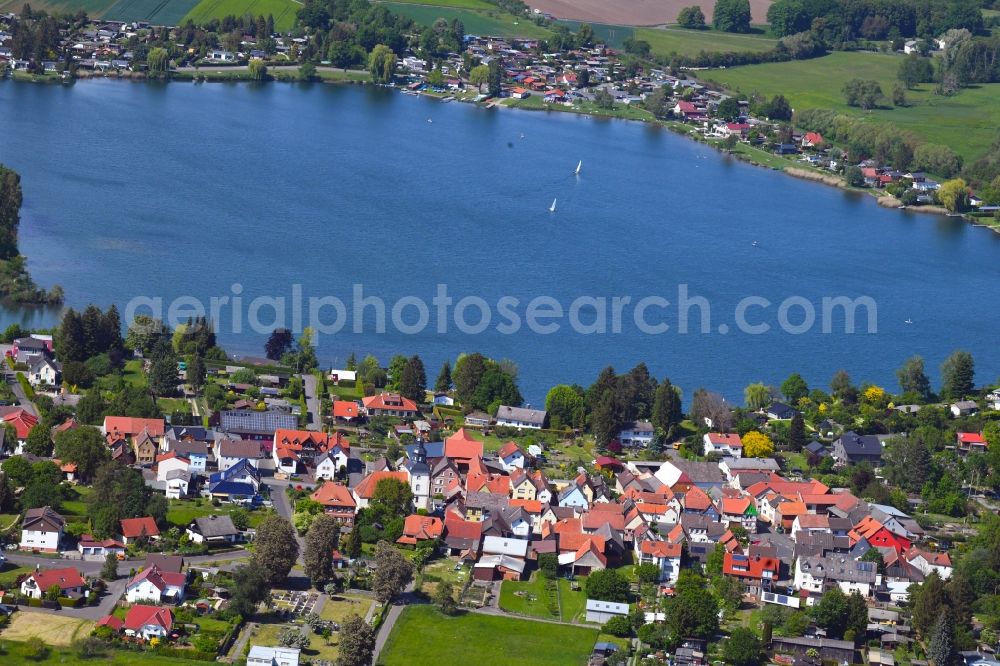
310,385
284,508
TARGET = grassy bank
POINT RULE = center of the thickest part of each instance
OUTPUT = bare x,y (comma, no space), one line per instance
967,122
665,41
490,21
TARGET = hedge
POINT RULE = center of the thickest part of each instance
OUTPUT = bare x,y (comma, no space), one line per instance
26,385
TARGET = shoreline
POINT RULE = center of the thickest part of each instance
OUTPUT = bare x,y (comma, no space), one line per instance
351,77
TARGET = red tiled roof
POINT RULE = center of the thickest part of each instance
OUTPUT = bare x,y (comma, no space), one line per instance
135,527
23,421
345,409
971,438
111,621
735,506
65,578
366,487
730,439
126,426
140,615
420,528
754,565
462,446
334,495
530,506
462,529
696,499
508,449
660,549
389,401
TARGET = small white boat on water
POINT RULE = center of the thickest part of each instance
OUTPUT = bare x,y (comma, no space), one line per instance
552,208
578,167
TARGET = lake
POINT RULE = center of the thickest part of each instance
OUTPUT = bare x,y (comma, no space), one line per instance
185,190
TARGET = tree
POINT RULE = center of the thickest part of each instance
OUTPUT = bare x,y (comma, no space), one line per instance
666,412
39,442
357,642
109,571
778,108
393,572
954,195
548,565
928,601
742,648
585,36
731,16
382,64
413,380
913,379
841,385
257,70
693,611
443,382
84,446
163,379
648,573
195,372
915,69
898,95
728,109
278,344
854,176
469,371
958,375
495,78
317,557
864,93
158,60
831,612
937,159
691,17
794,388
249,589
618,626
479,76
757,396
564,405
275,548
797,433
757,445
391,498
604,421
607,585
444,598
942,650
118,492
77,374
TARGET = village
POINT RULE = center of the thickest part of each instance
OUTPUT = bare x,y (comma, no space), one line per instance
355,497
597,80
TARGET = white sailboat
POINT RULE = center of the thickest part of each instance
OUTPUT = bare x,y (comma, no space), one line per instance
552,208
578,167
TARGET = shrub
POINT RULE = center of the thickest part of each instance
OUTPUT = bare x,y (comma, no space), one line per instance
618,626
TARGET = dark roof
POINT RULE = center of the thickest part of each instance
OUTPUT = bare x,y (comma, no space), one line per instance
262,423
781,410
168,563
215,526
815,447
854,444
240,448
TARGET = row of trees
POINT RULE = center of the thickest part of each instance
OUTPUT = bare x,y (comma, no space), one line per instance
842,21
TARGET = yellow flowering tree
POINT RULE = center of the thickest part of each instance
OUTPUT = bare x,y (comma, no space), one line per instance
757,445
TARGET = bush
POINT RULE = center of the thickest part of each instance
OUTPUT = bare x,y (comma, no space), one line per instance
90,647
36,649
618,626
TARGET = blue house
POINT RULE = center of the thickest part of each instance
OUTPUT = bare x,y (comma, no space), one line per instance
239,482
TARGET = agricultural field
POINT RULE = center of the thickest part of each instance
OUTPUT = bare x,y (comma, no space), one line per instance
424,637
457,4
665,41
157,12
92,7
18,653
967,122
476,22
635,12
612,35
283,11
55,630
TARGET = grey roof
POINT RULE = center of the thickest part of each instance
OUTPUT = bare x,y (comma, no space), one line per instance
839,568
522,414
246,420
215,526
751,464
700,472
184,448
240,448
854,444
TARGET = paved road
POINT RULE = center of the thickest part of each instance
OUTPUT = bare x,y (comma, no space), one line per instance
284,507
391,616
93,567
310,385
22,399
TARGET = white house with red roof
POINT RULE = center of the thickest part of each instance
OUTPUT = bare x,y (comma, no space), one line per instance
148,622
155,586
511,456
390,404
346,410
723,443
135,528
337,501
927,561
665,555
22,421
71,583
970,442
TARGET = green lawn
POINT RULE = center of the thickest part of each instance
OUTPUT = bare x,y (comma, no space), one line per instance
78,505
9,573
425,637
572,603
967,122
182,512
283,11
665,41
537,102
171,405
340,75
133,373
533,597
493,22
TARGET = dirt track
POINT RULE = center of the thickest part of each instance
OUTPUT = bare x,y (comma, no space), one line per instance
634,12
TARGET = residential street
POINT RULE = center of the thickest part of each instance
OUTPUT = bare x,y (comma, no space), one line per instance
284,507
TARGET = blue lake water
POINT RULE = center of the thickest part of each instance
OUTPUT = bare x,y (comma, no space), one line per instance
185,190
